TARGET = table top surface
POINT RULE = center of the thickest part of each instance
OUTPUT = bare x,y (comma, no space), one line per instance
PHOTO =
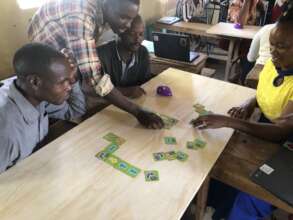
228,30
64,180
187,27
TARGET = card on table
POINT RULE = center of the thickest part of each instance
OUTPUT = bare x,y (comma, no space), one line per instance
122,165
111,148
151,175
170,140
113,138
171,155
199,143
181,156
168,121
103,155
159,156
191,145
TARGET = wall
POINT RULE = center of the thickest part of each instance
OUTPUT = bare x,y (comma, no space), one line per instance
13,23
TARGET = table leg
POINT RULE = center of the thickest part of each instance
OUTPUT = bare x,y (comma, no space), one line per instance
201,199
229,59
235,56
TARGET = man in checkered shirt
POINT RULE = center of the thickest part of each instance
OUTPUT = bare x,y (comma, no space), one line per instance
74,26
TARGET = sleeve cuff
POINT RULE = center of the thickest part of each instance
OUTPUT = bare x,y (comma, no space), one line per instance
104,86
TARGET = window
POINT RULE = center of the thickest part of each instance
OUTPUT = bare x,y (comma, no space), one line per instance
27,4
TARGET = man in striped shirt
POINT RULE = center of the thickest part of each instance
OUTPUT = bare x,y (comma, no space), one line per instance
75,26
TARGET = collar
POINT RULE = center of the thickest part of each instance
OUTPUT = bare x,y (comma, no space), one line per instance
29,112
283,73
133,59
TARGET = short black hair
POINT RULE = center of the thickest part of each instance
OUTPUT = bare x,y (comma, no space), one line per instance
287,16
137,20
35,58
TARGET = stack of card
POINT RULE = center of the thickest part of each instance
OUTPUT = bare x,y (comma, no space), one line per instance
107,156
170,155
170,140
168,121
196,144
151,175
200,109
113,138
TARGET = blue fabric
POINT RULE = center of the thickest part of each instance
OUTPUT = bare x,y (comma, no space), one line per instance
247,207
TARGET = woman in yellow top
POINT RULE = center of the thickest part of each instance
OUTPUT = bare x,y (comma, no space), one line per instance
274,95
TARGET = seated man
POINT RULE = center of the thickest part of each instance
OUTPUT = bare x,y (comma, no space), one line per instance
44,88
274,96
127,61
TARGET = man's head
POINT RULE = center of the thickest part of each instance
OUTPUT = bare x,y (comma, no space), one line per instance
133,37
120,13
281,41
43,73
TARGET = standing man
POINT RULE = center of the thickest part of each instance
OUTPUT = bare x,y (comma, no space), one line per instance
76,25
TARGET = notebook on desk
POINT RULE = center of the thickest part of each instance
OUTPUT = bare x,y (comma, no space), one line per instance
173,46
168,20
276,175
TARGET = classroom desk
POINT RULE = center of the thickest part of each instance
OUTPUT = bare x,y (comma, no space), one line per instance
220,30
64,180
227,30
241,157
187,27
159,64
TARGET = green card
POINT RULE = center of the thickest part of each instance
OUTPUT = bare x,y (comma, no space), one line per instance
122,166
171,155
191,145
111,148
170,140
151,175
199,143
112,160
204,112
159,156
113,138
168,121
103,155
133,171
181,156
198,107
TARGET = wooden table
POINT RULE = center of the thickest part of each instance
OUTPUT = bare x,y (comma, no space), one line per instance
64,180
227,30
187,27
241,157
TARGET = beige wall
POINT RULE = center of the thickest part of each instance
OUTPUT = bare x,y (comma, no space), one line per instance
13,24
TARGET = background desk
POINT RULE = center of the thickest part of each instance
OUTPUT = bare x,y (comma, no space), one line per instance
187,27
64,180
241,157
159,64
227,30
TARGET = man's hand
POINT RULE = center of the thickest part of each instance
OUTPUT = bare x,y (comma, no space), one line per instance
149,119
210,121
132,92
